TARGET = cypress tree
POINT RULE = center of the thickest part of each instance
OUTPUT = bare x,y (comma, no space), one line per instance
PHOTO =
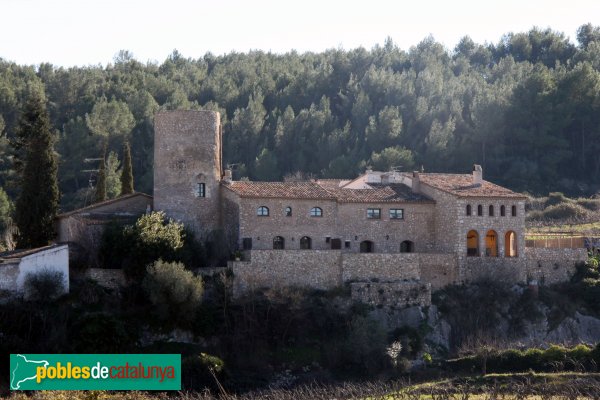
37,203
127,172
101,182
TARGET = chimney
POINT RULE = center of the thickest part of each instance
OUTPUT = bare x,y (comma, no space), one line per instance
416,182
228,175
477,175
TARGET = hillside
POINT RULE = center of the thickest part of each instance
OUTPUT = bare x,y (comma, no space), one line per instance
526,108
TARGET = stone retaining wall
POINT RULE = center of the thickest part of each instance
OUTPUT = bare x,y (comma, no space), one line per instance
316,269
383,267
551,265
392,294
108,278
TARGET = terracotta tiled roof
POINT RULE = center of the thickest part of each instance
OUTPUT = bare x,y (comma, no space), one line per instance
332,183
380,193
462,185
20,253
104,203
280,190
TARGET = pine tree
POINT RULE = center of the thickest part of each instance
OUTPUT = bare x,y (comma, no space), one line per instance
127,172
101,182
37,204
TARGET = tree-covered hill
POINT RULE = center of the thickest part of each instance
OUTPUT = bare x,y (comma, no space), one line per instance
527,108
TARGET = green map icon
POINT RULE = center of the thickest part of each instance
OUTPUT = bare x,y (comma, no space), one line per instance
24,370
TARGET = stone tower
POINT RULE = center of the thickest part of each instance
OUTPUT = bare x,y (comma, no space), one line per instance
187,168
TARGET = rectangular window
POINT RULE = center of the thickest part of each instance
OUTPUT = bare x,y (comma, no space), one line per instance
396,213
247,243
201,190
347,244
374,213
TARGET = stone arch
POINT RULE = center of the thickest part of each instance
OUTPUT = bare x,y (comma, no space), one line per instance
367,246
510,244
407,246
305,243
278,243
491,243
472,243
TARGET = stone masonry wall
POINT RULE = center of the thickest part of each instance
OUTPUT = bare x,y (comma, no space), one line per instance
438,269
262,229
503,269
381,267
8,276
326,269
417,226
187,151
108,278
445,219
392,294
482,224
549,265
316,269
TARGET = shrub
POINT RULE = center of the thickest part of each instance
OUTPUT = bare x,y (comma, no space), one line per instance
555,198
589,204
44,285
197,371
175,293
133,247
565,211
101,333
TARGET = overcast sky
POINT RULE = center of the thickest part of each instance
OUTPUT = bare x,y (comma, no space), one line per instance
83,32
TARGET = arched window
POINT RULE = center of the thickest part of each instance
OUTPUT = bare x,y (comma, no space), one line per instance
472,244
316,212
513,211
278,243
510,244
491,211
367,246
305,243
480,210
262,211
288,211
502,211
491,244
407,247
469,210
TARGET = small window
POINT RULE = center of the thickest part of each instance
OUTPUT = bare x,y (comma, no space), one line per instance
336,244
305,243
480,210
288,211
262,211
374,213
316,212
407,247
396,213
491,211
278,243
513,211
367,246
201,190
468,210
502,211
347,244
247,243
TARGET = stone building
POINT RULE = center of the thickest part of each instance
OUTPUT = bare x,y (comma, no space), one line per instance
427,228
